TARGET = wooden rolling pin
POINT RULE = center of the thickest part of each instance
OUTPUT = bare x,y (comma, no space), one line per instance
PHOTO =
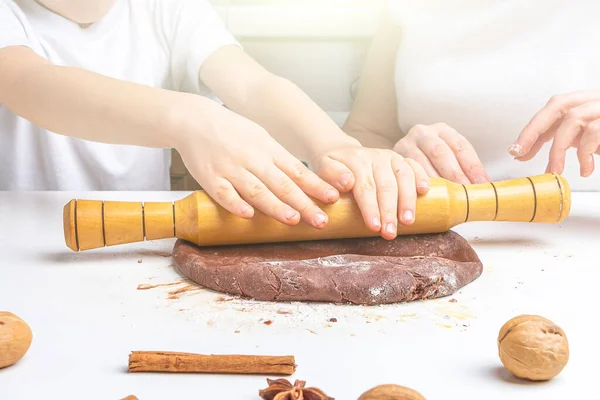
90,224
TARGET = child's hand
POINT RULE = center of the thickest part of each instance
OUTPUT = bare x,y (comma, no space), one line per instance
241,166
384,184
572,120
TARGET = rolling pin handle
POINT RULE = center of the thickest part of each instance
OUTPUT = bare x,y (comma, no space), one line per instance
90,224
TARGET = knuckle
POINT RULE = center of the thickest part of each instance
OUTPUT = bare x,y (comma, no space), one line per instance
415,166
556,100
594,127
457,176
574,116
367,186
587,148
404,172
412,158
443,126
461,144
420,130
286,188
439,150
388,187
257,191
223,192
388,153
405,150
299,170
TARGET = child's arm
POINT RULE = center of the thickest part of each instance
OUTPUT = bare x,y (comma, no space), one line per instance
385,184
230,156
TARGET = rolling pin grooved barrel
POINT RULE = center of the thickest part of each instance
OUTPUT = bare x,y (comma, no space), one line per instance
90,224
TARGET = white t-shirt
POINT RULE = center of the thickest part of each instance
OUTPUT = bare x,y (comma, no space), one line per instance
485,67
158,43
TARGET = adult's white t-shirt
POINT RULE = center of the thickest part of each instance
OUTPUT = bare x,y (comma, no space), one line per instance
159,43
485,67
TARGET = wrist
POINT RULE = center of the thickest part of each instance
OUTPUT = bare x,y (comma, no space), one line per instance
329,143
186,118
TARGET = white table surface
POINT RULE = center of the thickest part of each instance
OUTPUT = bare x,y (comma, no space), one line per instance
87,314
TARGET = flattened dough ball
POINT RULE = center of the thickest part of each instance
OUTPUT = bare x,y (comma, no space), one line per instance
359,271
533,347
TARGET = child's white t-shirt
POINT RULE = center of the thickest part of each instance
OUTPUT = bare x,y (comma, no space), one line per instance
158,43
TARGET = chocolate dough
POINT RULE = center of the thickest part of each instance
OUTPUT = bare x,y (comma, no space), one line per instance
360,271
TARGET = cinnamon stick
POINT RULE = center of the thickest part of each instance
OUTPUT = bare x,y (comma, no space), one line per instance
165,361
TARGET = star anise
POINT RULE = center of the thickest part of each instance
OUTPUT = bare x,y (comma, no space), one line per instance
282,389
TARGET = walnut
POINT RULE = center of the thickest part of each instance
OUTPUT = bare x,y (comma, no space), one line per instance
533,347
282,389
391,392
15,338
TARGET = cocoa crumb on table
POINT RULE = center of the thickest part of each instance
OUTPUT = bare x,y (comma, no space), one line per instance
144,286
332,319
268,322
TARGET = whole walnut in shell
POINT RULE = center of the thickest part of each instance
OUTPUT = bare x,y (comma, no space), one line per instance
391,392
15,338
533,347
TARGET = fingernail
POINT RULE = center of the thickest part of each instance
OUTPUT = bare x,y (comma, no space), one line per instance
290,214
391,229
376,222
515,150
345,179
320,219
407,215
331,194
586,174
479,179
423,184
246,209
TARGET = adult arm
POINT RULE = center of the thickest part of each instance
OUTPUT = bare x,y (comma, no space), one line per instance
373,118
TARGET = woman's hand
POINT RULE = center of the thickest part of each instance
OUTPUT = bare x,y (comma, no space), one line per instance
384,184
241,167
443,152
572,120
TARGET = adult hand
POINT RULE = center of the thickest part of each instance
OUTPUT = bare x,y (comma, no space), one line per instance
241,167
384,184
572,120
443,152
